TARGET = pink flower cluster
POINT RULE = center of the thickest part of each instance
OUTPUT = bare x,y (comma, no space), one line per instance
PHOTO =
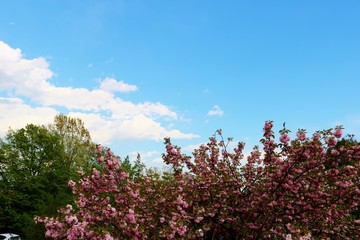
300,189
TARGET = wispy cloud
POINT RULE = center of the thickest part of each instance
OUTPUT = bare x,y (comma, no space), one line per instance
216,111
111,85
107,116
206,91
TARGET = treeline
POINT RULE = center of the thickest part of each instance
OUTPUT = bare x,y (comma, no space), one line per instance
36,162
55,175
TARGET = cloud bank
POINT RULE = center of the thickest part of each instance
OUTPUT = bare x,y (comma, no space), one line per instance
28,96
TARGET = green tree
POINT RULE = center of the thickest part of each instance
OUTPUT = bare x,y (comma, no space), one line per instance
135,169
33,179
76,140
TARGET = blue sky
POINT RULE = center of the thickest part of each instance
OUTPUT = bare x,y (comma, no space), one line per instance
138,71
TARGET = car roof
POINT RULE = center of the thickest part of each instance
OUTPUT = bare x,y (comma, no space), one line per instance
9,234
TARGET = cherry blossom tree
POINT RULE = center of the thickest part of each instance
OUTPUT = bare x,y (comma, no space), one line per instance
305,188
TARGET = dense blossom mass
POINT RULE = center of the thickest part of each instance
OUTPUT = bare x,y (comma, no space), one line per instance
305,188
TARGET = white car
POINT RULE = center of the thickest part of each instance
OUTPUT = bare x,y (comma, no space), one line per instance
9,236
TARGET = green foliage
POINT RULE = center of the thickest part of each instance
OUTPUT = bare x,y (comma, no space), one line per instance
33,179
36,163
136,169
76,140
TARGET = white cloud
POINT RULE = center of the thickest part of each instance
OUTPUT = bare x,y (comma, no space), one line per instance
146,154
146,157
138,127
216,111
16,114
158,160
123,109
72,98
111,85
22,74
29,78
190,148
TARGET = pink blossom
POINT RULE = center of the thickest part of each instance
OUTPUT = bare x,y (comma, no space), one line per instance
316,136
273,203
331,141
198,219
82,203
108,237
71,219
71,183
199,233
335,152
182,230
301,135
100,159
338,132
130,216
268,125
123,175
284,138
98,149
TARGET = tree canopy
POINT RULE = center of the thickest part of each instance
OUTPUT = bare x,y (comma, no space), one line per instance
35,164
